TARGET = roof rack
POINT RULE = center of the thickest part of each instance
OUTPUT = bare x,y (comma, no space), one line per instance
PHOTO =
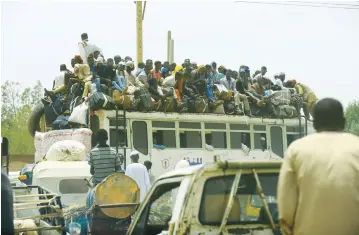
248,164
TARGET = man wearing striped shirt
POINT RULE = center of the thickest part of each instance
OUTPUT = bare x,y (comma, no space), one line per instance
103,159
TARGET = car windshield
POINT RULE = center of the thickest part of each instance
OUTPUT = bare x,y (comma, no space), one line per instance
247,206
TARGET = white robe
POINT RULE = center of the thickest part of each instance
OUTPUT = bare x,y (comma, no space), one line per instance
139,173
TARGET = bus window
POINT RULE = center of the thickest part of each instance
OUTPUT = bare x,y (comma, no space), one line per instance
239,138
257,140
291,138
164,137
140,138
217,139
276,138
190,139
120,138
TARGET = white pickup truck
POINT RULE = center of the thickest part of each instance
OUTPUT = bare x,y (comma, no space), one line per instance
231,197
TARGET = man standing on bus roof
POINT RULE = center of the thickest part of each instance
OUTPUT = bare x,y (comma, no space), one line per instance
318,190
139,173
103,159
87,48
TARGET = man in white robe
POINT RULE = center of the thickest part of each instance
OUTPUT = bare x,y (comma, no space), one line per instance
138,172
318,189
86,48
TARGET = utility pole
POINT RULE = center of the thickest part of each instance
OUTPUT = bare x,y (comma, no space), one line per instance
139,19
170,47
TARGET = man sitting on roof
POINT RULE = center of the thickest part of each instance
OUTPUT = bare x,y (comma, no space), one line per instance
131,80
308,96
230,84
119,82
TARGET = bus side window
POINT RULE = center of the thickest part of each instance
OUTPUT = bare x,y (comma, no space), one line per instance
237,139
292,137
120,138
190,139
257,140
164,137
140,137
276,138
217,139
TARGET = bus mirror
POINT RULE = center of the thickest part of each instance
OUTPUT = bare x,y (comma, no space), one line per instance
4,146
263,143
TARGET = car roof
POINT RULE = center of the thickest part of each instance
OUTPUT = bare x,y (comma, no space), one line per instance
245,163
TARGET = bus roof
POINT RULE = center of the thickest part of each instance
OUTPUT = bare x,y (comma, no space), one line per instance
207,117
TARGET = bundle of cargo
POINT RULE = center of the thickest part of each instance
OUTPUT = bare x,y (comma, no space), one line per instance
43,141
66,150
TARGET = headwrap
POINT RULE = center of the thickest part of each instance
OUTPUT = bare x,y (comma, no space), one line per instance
100,60
134,152
202,68
221,67
164,70
78,59
130,64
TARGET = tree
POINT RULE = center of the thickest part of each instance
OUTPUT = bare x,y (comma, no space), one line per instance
16,109
352,117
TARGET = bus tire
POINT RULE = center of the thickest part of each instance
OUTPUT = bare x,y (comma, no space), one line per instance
34,123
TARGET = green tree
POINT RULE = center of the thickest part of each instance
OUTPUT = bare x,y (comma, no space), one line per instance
16,106
352,117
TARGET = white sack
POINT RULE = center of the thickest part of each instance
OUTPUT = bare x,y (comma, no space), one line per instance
66,150
79,114
43,141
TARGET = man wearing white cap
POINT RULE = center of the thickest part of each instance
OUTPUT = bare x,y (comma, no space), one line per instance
138,172
131,80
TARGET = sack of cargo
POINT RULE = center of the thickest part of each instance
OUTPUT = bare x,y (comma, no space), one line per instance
182,107
281,97
80,114
285,111
43,141
52,109
169,104
122,99
201,105
219,88
265,110
61,123
145,100
130,90
178,95
190,103
229,107
219,109
74,97
99,101
66,150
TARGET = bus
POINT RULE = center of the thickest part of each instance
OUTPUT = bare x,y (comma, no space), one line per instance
166,138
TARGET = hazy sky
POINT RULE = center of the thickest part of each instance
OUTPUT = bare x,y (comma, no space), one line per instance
317,46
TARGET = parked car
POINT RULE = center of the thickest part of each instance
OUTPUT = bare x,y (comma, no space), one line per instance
215,198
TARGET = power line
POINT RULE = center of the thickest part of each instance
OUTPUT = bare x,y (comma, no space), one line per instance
298,5
327,3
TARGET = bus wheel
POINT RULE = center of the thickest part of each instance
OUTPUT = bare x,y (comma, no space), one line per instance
34,122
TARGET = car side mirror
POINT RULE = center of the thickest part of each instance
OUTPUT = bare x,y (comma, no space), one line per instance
263,143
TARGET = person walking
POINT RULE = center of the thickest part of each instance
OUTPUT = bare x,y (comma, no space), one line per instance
103,159
318,190
148,165
139,173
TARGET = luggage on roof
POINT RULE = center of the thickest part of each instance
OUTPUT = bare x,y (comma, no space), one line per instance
99,101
